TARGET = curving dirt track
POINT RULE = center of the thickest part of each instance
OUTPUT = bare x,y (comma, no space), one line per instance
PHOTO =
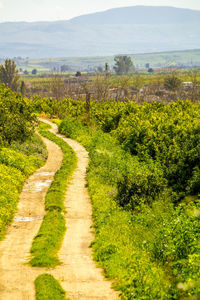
16,278
78,274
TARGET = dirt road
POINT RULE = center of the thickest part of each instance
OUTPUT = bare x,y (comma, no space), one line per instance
16,278
78,274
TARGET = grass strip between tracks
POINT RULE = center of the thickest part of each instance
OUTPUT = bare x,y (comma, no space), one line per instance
49,238
48,288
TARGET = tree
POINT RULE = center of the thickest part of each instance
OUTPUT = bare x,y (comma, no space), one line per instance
9,74
64,68
106,69
57,87
150,70
193,74
34,72
17,118
78,74
22,88
100,69
101,86
172,82
123,65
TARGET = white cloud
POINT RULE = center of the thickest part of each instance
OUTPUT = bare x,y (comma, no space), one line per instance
37,10
59,8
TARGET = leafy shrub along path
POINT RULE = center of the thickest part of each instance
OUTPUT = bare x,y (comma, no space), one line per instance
147,234
15,167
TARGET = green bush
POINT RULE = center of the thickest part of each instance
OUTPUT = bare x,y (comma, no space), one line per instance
168,134
171,237
17,120
26,164
140,183
14,168
63,108
32,146
70,127
107,116
151,252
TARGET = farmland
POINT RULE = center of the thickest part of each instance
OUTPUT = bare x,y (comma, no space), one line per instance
189,58
140,87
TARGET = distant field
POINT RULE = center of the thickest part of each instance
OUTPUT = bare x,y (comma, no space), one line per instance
189,58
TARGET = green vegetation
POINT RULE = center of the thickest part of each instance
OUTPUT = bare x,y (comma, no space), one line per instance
172,82
168,136
33,146
47,288
21,152
26,164
11,182
144,183
162,59
143,180
44,126
56,193
49,238
123,65
9,75
17,120
15,167
161,86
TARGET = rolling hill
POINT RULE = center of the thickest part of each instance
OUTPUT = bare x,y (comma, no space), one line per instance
137,29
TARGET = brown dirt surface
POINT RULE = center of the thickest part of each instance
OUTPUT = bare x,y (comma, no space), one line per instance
78,274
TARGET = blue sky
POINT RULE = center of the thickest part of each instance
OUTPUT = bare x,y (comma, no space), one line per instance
42,10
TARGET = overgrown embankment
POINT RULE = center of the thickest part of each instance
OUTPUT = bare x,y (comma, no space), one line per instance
143,180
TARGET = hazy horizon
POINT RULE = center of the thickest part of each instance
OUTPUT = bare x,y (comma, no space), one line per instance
51,10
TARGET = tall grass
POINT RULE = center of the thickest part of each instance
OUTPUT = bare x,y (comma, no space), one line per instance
47,288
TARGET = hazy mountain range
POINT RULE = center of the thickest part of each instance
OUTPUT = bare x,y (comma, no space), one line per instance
137,29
